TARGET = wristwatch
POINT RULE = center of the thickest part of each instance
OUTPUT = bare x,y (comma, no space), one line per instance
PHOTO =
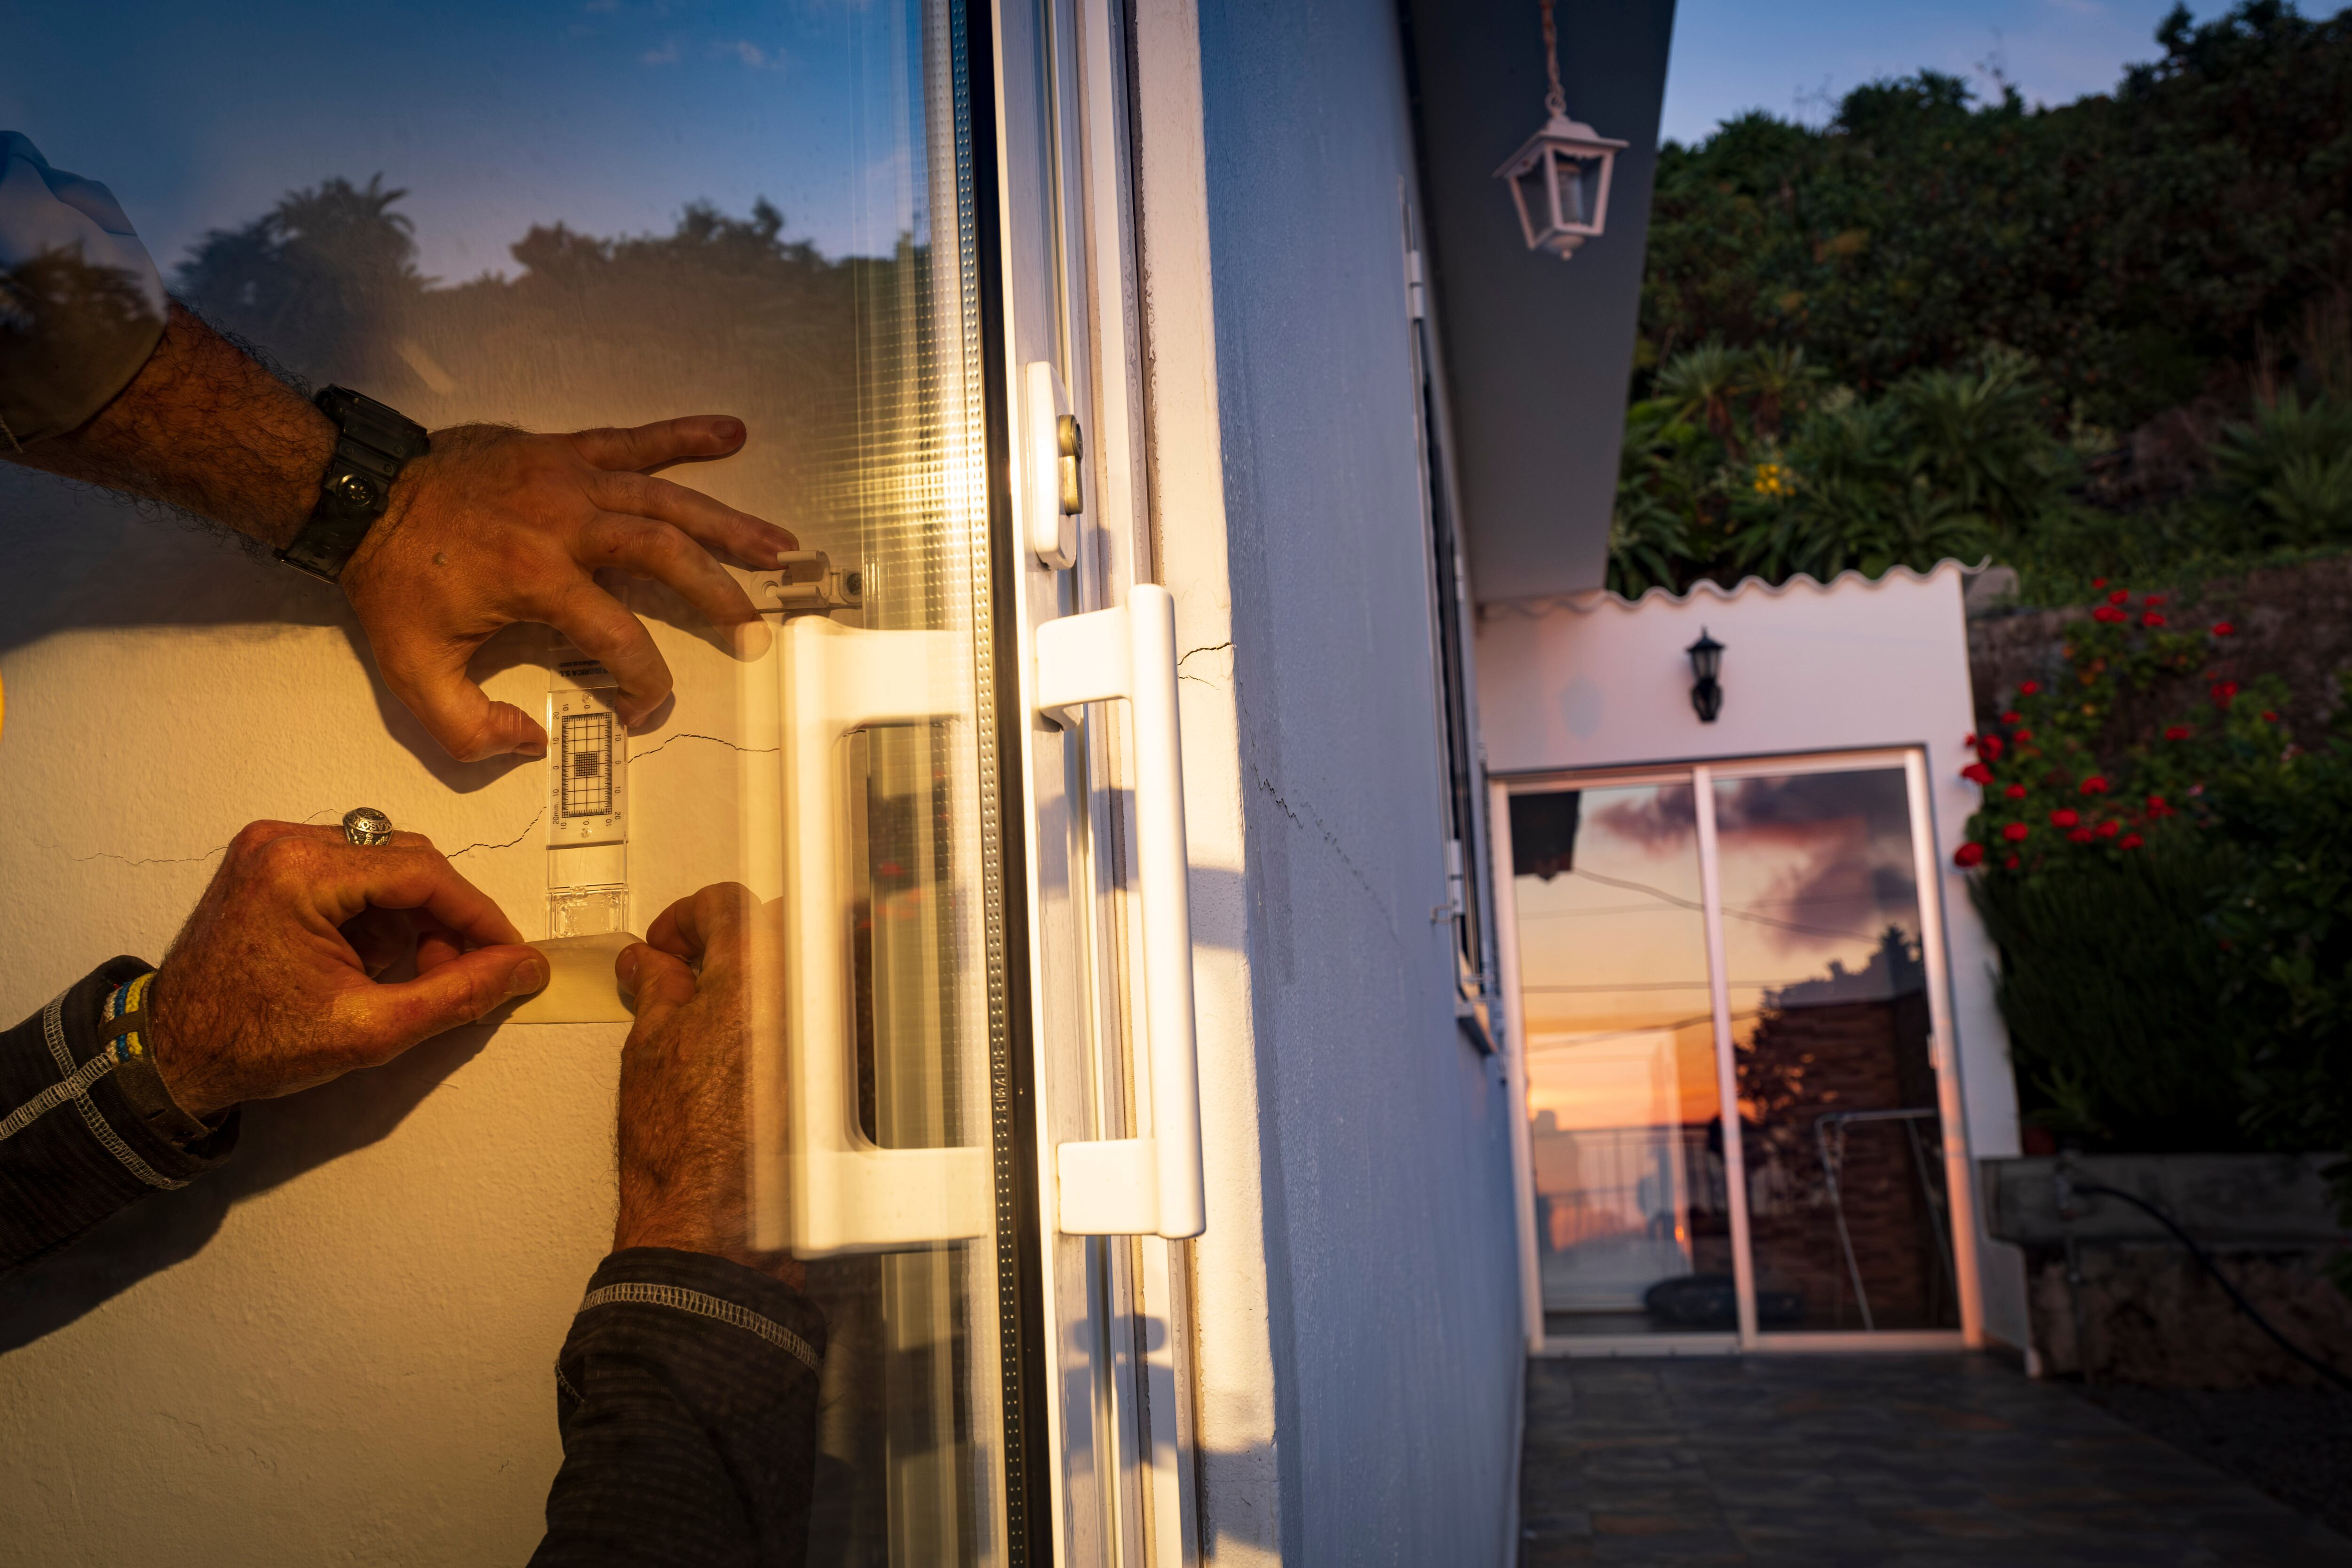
372,445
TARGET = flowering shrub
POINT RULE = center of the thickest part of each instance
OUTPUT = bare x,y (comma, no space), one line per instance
2053,759
2174,913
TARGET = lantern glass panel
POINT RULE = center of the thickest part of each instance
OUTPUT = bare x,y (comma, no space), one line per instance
1535,200
1578,183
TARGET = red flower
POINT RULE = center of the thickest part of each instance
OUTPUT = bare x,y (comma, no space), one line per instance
2130,841
2015,832
2064,817
1989,748
2118,596
2151,620
2094,784
1976,774
2011,717
2015,792
2225,629
2269,717
2011,862
2109,828
2110,615
1969,854
2176,731
2153,600
2222,691
2027,688
2159,806
2080,836
2098,581
2023,736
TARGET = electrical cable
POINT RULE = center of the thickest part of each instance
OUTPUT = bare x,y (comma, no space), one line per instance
2238,1299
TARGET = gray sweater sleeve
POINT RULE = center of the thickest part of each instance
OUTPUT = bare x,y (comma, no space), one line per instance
81,305
74,1147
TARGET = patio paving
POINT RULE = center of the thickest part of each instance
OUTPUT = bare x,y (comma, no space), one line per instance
1943,1461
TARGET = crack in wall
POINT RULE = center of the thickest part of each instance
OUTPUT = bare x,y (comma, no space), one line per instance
479,844
1337,850
1210,647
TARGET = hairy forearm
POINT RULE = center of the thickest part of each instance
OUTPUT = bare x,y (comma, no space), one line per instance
205,428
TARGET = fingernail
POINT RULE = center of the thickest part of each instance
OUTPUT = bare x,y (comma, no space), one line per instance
752,638
626,966
731,430
529,976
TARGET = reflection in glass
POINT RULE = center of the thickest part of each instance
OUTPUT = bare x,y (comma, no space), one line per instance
1631,1228
596,286
1847,1215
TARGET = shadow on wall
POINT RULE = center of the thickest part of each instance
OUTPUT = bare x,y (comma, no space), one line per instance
280,1139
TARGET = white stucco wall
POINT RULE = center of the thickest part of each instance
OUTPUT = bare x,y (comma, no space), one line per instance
1592,681
337,1348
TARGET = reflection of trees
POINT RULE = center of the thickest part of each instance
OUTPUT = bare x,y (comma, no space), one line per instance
722,314
316,279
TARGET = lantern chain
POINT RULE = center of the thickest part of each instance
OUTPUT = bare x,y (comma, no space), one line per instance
1556,101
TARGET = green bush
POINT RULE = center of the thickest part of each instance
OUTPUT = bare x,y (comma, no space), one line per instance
2111,985
2169,877
2131,242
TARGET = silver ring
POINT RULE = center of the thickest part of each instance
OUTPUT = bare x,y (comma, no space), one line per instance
367,827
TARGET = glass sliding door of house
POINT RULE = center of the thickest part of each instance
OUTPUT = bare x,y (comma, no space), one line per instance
1761,936
863,230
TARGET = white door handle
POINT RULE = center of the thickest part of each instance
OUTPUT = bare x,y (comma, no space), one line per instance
1149,1186
845,1193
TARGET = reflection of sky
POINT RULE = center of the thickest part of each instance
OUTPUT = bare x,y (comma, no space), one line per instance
608,115
1813,867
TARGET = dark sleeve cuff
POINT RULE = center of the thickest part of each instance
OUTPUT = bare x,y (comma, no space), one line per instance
686,1393
75,1157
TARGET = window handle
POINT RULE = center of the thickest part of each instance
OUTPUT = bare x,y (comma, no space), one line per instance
820,1185
1149,1185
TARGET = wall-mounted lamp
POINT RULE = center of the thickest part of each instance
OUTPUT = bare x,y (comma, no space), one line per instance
1561,178
1706,663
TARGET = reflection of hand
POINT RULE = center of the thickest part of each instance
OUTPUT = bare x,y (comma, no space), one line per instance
682,1138
495,525
270,985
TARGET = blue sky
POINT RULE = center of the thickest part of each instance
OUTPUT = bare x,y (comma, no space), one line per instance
610,115
1795,59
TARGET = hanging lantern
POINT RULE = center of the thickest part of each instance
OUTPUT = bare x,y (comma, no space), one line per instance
1560,180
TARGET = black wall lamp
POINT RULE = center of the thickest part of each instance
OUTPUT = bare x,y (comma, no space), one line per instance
1706,663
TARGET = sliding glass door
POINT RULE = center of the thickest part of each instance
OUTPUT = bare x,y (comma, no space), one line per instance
870,231
1760,936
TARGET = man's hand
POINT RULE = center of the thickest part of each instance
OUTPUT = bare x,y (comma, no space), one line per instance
494,525
270,987
683,1163
490,526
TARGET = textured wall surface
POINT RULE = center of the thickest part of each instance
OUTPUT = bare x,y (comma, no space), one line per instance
337,1349
1383,1139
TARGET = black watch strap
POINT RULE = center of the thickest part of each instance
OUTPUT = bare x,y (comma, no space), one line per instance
373,444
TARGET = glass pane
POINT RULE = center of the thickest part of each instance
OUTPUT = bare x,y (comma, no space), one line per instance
1632,1232
560,215
1837,1099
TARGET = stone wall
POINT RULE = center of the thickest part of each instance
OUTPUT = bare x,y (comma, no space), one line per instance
2152,1317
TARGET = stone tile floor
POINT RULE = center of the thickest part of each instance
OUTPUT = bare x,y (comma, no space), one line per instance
1942,1461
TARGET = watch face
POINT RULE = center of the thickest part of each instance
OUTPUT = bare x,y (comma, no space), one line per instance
355,489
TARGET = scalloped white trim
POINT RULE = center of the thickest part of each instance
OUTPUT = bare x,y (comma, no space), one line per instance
1586,601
